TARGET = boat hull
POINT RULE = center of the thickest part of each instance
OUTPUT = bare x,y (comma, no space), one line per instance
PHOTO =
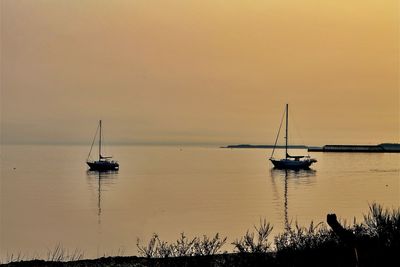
103,165
292,164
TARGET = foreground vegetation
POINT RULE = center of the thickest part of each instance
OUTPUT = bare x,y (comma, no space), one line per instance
373,242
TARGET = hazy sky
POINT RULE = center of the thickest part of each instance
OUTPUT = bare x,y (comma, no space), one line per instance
199,71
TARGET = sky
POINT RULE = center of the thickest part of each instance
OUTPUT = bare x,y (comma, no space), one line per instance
199,72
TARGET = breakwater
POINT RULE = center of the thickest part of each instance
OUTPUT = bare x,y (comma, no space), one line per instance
264,146
381,148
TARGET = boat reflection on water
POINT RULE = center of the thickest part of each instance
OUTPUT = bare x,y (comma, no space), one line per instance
301,173
301,176
102,180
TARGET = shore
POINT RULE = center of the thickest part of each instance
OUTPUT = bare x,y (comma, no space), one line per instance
312,257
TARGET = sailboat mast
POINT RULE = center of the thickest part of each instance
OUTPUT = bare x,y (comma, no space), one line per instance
287,126
100,141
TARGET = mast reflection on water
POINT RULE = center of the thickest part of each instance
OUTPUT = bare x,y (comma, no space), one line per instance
102,180
289,175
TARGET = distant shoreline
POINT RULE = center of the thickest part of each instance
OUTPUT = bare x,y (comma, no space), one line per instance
380,148
264,146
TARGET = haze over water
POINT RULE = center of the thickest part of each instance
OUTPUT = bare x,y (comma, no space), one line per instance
189,76
216,72
50,198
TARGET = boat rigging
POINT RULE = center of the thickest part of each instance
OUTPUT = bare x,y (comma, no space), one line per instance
289,162
104,163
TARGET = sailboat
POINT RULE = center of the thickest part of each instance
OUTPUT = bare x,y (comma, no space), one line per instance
104,163
290,162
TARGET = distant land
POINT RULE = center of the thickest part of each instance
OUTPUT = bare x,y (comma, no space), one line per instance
380,148
265,146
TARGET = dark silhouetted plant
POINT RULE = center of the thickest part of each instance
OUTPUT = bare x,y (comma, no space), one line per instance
383,225
207,246
299,238
150,250
183,246
247,244
59,253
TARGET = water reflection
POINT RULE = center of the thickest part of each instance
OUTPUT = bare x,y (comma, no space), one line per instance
103,180
297,176
276,173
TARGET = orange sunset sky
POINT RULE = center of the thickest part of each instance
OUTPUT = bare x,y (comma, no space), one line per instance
199,72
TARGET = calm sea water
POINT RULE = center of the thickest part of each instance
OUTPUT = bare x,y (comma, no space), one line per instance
48,197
